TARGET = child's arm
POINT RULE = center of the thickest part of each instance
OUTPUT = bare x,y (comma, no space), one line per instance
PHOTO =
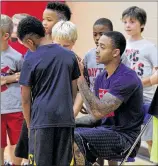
26,103
152,80
74,89
10,79
77,104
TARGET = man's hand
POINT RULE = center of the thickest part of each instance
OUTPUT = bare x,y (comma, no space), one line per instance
81,66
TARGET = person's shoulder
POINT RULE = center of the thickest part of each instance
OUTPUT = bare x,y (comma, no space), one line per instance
14,53
90,52
57,49
148,44
128,76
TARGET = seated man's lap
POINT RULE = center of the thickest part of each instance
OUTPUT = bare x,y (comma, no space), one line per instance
101,142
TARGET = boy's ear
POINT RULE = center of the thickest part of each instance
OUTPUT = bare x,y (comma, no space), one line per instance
142,26
6,36
30,42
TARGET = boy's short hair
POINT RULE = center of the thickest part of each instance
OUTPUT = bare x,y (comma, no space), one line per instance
137,13
30,26
105,22
118,40
65,30
20,16
63,10
6,24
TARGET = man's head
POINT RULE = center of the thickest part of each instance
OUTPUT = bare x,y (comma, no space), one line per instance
134,19
54,12
30,31
16,19
6,28
111,46
100,26
65,34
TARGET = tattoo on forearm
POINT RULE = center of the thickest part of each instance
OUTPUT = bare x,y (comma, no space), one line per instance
98,107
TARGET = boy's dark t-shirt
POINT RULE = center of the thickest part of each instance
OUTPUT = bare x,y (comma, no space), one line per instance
49,72
125,85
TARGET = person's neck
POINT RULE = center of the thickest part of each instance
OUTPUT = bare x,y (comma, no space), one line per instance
4,46
49,38
136,37
45,41
111,67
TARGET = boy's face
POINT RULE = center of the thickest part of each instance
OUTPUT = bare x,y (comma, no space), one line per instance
64,43
98,31
105,52
132,26
50,18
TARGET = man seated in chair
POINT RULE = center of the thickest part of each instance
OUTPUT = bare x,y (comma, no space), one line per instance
117,104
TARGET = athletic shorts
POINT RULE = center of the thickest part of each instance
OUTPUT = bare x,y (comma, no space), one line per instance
103,143
22,146
51,146
11,124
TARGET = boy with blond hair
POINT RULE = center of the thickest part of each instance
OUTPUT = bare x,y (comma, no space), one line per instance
65,34
11,110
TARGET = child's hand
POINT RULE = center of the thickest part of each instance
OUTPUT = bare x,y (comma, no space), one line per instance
81,66
3,80
17,76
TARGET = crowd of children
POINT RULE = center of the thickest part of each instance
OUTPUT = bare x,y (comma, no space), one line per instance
44,86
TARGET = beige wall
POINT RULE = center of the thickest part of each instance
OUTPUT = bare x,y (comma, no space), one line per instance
86,13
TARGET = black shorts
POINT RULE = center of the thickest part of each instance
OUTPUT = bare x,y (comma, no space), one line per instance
101,142
22,146
51,146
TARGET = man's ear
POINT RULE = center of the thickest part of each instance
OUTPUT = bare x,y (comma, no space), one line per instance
116,52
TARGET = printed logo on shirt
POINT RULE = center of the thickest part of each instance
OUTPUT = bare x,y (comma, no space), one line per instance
93,72
136,65
101,94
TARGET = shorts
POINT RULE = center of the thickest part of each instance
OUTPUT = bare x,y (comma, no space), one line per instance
147,135
22,146
103,143
11,124
51,146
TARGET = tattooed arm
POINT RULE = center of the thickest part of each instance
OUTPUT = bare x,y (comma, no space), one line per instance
99,108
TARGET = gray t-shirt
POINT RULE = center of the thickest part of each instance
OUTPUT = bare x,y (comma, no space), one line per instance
93,68
142,56
11,62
